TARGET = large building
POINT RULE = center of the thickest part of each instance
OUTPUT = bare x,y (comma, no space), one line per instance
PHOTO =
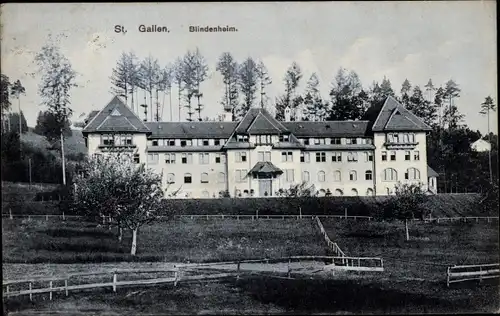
259,155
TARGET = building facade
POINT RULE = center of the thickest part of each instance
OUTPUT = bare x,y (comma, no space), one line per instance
258,155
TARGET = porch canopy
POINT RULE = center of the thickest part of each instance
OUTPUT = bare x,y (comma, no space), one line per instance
265,168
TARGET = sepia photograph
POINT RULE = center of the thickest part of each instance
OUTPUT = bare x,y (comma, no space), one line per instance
277,158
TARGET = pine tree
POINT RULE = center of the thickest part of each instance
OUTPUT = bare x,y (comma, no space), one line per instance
405,92
16,90
189,64
386,89
178,69
264,80
289,98
421,107
452,117
486,107
200,73
347,96
247,79
228,67
149,72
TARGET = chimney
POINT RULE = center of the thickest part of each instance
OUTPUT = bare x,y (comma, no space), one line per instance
287,114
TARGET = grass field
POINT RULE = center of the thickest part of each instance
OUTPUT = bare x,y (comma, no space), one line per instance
56,241
414,280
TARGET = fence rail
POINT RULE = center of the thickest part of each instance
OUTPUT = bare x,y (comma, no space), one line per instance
479,272
465,219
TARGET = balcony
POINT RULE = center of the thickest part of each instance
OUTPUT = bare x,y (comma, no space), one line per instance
117,148
400,145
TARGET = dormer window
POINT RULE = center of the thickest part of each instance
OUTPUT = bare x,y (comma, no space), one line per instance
154,142
284,138
242,138
205,142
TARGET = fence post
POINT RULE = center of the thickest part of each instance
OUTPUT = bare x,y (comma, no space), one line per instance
176,276
46,217
66,286
114,281
480,274
289,262
448,277
64,218
7,290
10,214
31,294
103,219
50,293
238,270
345,212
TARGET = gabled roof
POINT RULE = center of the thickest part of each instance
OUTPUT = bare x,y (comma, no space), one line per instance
395,117
431,172
123,119
191,129
328,128
265,167
260,121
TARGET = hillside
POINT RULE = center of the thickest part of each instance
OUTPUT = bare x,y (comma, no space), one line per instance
74,144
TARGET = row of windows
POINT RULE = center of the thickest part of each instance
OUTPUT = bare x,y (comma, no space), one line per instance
400,138
392,155
185,142
336,156
187,158
188,178
116,140
390,174
335,141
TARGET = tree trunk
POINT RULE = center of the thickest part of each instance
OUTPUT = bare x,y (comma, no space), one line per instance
132,96
20,121
489,151
179,99
407,233
63,159
134,242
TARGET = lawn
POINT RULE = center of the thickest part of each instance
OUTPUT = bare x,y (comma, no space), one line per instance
57,241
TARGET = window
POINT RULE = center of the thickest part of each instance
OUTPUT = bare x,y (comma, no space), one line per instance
186,142
284,138
405,138
169,142
240,175
286,156
354,192
187,178
187,158
242,138
205,194
416,155
170,158
204,158
306,176
384,156
306,141
217,142
368,175
368,156
220,158
351,141
321,176
412,174
353,175
320,157
369,192
107,140
368,141
407,155
221,177
337,176
123,140
411,138
137,158
337,157
390,174
170,178
319,141
393,155
205,142
153,158
335,141
154,142
264,156
204,177
352,157
241,156
304,157
289,175
338,192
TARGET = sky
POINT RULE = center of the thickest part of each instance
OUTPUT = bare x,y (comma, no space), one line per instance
438,40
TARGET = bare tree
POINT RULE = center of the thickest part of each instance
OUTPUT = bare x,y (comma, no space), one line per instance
199,75
486,107
247,79
228,67
264,80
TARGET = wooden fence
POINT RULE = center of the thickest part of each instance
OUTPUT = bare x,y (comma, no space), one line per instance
472,272
342,262
107,219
